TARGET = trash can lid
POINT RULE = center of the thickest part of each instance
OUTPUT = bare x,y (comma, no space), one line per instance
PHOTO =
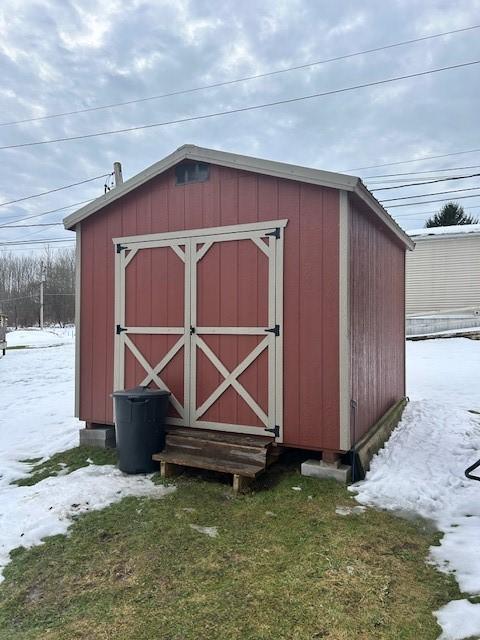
140,392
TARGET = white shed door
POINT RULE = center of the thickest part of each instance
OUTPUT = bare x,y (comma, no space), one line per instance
214,338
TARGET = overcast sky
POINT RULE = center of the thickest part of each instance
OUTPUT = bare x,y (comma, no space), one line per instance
62,55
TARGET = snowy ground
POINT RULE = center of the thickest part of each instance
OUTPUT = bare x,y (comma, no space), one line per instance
421,469
33,338
37,388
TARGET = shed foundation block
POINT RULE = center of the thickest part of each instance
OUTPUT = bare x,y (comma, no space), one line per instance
101,437
327,471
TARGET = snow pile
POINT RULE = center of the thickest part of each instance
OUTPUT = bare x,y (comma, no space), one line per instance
459,619
441,231
34,338
37,391
29,514
420,470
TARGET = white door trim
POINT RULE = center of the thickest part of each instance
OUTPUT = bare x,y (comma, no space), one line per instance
197,233
122,341
185,245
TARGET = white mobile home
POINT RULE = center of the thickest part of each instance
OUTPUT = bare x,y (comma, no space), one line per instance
443,274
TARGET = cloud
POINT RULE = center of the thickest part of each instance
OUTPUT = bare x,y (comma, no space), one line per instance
62,55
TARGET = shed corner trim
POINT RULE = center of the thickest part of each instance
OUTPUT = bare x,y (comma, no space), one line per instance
344,323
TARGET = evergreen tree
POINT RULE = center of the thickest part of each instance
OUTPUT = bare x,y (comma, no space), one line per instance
450,214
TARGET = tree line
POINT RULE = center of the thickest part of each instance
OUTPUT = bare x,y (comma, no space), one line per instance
20,277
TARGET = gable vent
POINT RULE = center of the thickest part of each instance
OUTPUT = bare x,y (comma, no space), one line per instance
191,171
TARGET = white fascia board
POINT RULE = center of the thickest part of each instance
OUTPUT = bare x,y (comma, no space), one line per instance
273,168
244,163
446,236
373,204
129,185
232,160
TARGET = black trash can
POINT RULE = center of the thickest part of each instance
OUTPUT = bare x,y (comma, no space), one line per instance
140,427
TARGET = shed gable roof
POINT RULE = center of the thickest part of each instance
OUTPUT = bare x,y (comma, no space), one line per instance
284,170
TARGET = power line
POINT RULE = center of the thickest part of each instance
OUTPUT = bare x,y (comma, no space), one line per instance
242,109
391,164
42,241
400,182
417,184
34,295
224,83
426,213
44,213
10,250
24,226
411,204
434,193
19,298
412,173
44,193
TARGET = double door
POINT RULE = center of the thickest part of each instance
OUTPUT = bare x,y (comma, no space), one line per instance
199,313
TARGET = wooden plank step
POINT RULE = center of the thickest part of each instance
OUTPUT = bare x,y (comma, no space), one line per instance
244,439
211,464
219,450
180,438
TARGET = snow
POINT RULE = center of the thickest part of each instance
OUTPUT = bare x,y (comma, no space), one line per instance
34,338
37,390
420,471
348,511
459,619
29,514
211,532
440,231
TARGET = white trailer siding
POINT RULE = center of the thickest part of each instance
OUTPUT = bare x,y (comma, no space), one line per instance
443,273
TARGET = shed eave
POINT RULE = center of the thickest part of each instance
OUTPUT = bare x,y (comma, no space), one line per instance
369,199
222,158
245,163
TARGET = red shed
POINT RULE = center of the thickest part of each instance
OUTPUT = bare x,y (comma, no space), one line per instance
267,297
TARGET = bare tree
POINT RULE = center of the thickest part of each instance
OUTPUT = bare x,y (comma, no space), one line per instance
20,285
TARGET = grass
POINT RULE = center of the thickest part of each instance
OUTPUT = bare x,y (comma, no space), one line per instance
284,566
65,462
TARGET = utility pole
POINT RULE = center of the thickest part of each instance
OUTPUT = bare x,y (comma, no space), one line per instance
42,282
117,170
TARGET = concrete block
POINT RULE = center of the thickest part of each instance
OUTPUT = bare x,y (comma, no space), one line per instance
101,437
326,471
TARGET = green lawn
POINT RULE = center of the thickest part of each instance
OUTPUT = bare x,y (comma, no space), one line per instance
283,566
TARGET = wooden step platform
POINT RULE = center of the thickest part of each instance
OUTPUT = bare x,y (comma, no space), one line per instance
243,456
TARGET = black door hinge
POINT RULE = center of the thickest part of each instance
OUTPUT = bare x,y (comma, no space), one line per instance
275,330
120,329
120,247
275,430
275,234
192,330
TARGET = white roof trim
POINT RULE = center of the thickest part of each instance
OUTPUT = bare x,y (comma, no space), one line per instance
453,231
245,163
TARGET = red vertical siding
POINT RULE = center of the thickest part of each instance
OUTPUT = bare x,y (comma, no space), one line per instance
377,312
310,335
